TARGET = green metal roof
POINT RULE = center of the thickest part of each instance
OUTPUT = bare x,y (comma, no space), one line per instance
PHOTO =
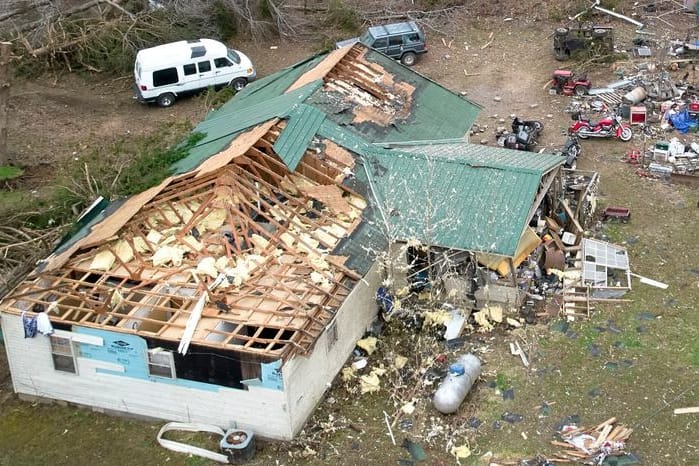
495,157
272,85
436,112
477,201
221,128
302,125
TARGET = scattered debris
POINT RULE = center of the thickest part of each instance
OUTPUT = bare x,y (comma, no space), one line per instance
592,446
517,350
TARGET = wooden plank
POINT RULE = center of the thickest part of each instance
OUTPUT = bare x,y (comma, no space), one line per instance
692,410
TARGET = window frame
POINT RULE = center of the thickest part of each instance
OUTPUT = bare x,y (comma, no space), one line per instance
170,366
70,354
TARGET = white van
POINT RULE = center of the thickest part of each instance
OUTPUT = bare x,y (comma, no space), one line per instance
167,71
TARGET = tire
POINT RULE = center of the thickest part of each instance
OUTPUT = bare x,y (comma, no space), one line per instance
166,100
626,134
561,31
580,90
238,84
408,59
599,33
574,150
538,126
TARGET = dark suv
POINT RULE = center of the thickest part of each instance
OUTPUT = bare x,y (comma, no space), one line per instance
402,41
595,39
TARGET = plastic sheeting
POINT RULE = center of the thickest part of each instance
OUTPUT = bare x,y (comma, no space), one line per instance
681,121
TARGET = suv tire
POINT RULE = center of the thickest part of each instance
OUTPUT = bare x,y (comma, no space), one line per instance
166,100
408,59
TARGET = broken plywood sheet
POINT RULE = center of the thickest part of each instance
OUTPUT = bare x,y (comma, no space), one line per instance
236,148
338,154
319,71
331,196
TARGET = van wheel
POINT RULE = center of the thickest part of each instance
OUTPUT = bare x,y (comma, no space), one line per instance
166,100
238,84
408,59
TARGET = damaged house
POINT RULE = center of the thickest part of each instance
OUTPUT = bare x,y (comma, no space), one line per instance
233,292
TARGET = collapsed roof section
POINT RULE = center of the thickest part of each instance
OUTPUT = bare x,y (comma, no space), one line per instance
242,214
356,88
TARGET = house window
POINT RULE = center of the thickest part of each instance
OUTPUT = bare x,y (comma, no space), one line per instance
63,354
161,363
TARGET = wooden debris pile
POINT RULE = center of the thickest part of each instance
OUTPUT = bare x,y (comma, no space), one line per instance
591,446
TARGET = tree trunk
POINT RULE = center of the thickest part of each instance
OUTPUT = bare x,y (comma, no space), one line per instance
5,49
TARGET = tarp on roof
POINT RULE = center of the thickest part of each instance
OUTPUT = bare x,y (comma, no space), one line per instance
477,201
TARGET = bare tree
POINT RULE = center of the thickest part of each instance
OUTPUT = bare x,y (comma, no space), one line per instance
5,48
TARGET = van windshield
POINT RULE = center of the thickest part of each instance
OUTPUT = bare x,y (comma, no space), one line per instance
233,55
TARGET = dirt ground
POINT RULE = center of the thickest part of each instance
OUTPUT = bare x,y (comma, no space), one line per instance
636,361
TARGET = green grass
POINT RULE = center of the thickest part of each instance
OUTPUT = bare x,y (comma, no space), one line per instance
123,167
8,172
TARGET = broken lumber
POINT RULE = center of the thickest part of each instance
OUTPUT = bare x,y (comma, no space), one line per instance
692,410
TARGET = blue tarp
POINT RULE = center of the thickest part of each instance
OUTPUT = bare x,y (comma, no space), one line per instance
681,121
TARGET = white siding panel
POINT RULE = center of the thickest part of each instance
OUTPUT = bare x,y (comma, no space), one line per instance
262,410
306,379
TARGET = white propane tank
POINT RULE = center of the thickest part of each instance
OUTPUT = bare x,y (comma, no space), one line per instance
454,388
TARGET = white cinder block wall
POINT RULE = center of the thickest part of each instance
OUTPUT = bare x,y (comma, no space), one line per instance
306,379
260,409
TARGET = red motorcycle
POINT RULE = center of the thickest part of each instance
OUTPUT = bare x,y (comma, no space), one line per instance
607,127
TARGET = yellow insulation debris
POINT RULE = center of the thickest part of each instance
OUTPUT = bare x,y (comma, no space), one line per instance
123,251
103,260
168,255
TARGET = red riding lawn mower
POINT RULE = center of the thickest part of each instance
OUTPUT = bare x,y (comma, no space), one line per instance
567,83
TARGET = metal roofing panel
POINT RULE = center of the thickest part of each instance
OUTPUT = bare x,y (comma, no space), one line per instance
302,125
452,202
221,128
495,157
